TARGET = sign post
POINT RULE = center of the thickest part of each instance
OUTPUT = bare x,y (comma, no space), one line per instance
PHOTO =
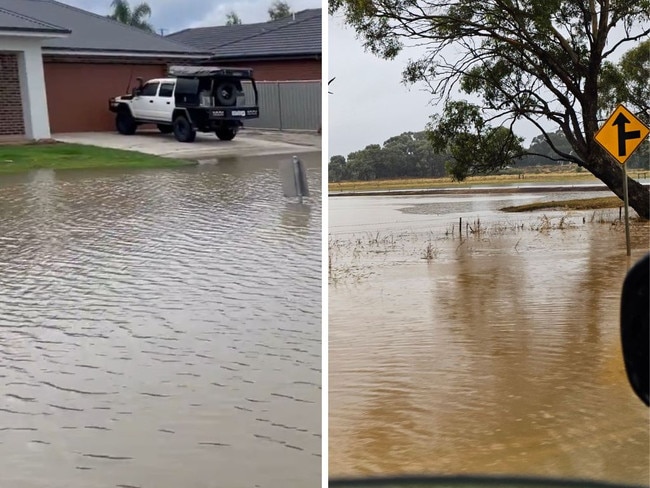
294,178
621,128
627,213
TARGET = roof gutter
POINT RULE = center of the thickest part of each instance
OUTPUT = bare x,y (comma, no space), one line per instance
38,33
269,57
130,54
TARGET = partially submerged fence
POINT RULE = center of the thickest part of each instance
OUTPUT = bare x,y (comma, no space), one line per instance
287,105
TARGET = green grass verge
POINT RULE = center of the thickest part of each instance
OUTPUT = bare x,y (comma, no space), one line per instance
27,157
576,204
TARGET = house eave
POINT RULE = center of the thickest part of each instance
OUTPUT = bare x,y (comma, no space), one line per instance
117,53
33,33
269,57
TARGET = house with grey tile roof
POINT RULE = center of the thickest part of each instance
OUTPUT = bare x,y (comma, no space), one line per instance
284,49
48,47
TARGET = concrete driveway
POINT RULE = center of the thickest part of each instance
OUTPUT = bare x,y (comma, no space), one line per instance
249,142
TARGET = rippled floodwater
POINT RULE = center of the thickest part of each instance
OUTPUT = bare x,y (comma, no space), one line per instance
160,328
497,353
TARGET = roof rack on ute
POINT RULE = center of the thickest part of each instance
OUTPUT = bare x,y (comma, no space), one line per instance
209,71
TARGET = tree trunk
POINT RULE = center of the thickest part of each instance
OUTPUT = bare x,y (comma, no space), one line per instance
611,173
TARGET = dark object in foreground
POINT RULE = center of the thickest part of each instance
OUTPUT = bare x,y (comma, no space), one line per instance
470,482
635,326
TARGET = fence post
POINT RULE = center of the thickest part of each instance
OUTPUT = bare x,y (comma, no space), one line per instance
277,84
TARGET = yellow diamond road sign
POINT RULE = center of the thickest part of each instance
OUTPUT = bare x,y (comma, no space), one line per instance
621,134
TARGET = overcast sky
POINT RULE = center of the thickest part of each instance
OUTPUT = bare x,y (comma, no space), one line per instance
370,103
175,15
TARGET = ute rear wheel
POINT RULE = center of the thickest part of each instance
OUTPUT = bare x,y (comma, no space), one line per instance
165,129
226,133
125,124
183,130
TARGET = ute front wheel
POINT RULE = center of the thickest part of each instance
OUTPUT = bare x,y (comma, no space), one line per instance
183,130
226,133
125,124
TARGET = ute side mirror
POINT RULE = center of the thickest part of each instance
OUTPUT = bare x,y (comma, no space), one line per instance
635,327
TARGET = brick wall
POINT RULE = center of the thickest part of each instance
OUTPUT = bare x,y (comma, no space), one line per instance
11,107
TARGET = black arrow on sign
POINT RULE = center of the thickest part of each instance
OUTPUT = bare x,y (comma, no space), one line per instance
623,136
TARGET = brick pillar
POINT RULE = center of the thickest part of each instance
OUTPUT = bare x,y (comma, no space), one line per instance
11,107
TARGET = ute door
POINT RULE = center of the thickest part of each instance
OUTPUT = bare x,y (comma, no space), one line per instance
142,105
164,103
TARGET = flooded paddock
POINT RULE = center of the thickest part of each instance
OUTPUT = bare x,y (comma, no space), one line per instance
160,328
494,352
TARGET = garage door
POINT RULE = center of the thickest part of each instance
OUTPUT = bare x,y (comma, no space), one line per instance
78,93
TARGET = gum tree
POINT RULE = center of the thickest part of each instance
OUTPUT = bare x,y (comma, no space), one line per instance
535,60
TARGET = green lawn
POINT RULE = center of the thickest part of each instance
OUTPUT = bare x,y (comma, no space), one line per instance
26,157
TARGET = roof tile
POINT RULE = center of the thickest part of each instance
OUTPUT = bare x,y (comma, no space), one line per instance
297,35
14,21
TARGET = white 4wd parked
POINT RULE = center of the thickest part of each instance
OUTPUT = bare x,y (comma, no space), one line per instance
193,98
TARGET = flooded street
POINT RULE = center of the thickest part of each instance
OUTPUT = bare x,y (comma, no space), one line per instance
160,328
494,352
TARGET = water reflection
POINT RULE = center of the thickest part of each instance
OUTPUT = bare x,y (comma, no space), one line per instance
160,328
500,355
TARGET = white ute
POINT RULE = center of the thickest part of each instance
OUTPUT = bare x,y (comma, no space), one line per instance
196,98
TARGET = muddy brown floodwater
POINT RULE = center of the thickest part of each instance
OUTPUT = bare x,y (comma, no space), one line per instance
494,353
160,328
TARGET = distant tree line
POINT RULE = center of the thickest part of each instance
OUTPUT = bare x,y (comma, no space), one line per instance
412,155
408,155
